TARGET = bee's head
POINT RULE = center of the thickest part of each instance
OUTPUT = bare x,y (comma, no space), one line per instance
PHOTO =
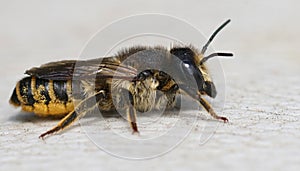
193,63
199,73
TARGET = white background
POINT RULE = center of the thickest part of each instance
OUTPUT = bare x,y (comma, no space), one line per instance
262,100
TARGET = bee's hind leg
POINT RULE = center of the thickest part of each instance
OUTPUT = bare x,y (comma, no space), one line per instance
82,108
65,122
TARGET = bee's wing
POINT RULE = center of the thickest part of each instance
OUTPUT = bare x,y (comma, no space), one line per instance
61,70
101,68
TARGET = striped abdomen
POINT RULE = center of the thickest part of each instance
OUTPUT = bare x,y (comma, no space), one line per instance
43,97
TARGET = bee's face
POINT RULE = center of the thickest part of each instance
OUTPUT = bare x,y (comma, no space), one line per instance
199,72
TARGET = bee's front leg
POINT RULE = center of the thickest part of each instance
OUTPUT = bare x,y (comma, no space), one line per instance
210,110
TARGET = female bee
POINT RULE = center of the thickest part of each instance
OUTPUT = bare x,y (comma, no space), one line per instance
49,89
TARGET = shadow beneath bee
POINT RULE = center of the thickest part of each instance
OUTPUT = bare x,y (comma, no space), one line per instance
30,117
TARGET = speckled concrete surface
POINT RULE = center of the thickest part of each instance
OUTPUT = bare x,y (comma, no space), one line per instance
262,90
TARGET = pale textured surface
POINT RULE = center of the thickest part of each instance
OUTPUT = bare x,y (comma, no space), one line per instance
262,100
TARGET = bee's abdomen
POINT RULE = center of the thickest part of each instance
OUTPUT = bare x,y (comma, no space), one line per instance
43,97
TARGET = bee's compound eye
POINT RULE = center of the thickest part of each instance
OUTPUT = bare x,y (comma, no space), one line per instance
186,65
184,53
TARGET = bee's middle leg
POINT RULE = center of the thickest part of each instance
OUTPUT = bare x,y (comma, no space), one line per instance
130,109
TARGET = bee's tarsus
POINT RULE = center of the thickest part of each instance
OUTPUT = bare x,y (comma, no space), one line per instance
135,132
210,110
51,131
134,126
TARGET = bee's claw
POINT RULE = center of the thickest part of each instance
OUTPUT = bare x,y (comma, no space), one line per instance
135,132
225,120
42,137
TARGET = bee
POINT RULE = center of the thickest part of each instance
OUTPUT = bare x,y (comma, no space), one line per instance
48,90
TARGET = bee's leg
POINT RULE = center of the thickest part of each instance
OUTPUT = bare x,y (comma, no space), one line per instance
82,108
66,121
131,116
210,110
130,109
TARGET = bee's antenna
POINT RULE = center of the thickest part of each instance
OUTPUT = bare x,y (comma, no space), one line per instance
213,55
213,36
